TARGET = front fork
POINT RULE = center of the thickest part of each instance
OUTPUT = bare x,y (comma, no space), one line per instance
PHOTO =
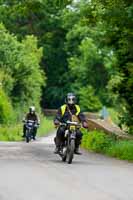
71,137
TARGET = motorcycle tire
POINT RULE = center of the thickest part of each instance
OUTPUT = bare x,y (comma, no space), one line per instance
27,138
70,153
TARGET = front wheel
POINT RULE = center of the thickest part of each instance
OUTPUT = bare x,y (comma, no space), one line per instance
27,137
64,156
70,153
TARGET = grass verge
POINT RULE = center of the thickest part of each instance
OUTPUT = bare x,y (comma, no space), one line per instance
101,143
11,133
14,132
46,126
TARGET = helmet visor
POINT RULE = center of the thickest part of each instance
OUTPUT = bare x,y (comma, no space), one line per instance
71,100
32,109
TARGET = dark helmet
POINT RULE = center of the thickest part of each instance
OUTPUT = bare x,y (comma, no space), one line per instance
70,98
32,109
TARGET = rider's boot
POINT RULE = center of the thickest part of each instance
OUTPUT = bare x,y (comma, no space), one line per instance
57,150
76,151
57,144
34,136
23,135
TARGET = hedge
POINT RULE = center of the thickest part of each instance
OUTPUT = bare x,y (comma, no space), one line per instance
99,142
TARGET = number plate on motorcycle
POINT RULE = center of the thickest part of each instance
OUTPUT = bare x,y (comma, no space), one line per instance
72,127
30,124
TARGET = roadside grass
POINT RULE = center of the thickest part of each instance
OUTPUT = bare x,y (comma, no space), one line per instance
46,126
14,132
122,150
11,133
99,142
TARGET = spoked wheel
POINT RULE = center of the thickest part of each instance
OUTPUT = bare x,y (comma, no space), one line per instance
27,137
70,153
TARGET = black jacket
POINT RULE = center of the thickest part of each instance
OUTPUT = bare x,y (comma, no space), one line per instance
33,117
70,110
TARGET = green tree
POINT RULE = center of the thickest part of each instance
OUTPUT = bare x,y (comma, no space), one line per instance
85,44
22,77
88,100
108,24
6,110
42,19
117,18
86,59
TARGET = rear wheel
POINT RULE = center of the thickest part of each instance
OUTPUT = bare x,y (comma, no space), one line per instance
70,153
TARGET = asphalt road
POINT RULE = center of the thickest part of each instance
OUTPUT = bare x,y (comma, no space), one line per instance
33,172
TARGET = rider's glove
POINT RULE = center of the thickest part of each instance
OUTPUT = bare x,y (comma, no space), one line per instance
85,125
56,122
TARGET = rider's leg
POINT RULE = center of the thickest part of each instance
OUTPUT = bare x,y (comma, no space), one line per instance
34,133
59,138
24,130
78,141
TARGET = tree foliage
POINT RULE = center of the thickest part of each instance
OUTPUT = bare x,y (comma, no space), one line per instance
87,48
20,75
117,19
6,111
100,42
42,18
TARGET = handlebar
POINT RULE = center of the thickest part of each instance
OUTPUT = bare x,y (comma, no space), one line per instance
31,121
70,123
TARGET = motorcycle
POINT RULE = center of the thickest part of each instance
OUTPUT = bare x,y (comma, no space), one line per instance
30,125
68,147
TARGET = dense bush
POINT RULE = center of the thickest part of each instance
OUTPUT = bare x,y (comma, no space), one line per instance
88,100
122,150
21,75
102,143
21,81
97,141
11,133
6,112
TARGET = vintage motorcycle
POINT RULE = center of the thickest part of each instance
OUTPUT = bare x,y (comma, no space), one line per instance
67,148
30,125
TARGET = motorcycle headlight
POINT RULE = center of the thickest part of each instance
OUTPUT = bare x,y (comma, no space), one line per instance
30,124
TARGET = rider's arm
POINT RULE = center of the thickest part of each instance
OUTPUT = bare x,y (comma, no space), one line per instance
83,120
26,117
82,117
38,119
58,116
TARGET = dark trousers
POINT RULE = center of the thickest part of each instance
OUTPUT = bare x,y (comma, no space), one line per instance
60,136
34,131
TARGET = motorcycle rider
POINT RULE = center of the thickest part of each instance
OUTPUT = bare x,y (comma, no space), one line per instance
31,115
69,111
